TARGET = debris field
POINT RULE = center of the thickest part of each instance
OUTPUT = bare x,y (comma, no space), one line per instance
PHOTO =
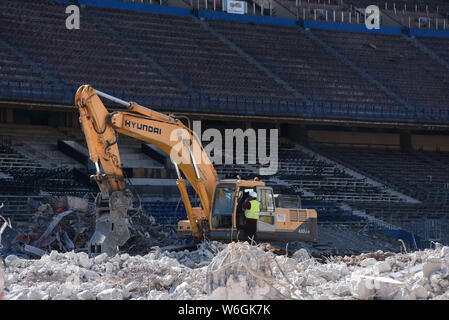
236,270
50,262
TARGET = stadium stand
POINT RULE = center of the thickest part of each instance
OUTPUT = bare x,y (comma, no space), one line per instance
409,171
327,182
51,49
22,180
438,45
418,174
310,70
212,67
168,69
395,62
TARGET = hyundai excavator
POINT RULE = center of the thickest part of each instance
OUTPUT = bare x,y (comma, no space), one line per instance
220,215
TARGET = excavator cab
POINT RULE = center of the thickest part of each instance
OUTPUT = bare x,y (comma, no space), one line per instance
227,218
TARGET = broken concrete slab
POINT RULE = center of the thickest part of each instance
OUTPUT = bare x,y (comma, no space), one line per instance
110,294
407,272
382,266
132,286
36,294
370,287
430,267
83,260
77,204
85,295
420,292
368,262
387,288
362,287
301,255
101,258
404,294
12,260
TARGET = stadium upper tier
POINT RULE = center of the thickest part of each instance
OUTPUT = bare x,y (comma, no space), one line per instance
182,63
409,73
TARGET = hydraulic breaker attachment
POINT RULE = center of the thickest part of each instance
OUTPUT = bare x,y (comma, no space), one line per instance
111,230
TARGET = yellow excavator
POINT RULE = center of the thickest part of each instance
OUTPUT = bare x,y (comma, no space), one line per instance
220,215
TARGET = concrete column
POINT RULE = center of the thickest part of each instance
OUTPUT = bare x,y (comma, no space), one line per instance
282,129
405,139
72,120
9,116
297,132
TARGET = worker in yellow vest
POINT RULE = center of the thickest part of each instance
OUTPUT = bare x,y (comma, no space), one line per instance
252,211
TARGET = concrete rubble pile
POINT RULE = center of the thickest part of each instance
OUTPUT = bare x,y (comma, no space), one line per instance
68,223
229,271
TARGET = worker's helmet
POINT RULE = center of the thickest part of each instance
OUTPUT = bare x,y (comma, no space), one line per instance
253,194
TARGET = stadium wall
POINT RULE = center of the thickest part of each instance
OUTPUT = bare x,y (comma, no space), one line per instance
430,142
425,142
355,138
139,7
348,27
428,33
216,15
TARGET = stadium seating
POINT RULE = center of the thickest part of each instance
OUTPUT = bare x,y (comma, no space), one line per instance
23,177
394,62
314,73
410,172
330,212
212,67
155,62
438,45
320,185
64,57
325,181
165,212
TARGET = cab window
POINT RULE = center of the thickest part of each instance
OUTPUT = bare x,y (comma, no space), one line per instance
224,199
223,207
266,200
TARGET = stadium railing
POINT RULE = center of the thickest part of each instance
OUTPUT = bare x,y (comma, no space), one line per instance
317,109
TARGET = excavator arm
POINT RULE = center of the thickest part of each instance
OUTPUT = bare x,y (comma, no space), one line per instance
101,129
